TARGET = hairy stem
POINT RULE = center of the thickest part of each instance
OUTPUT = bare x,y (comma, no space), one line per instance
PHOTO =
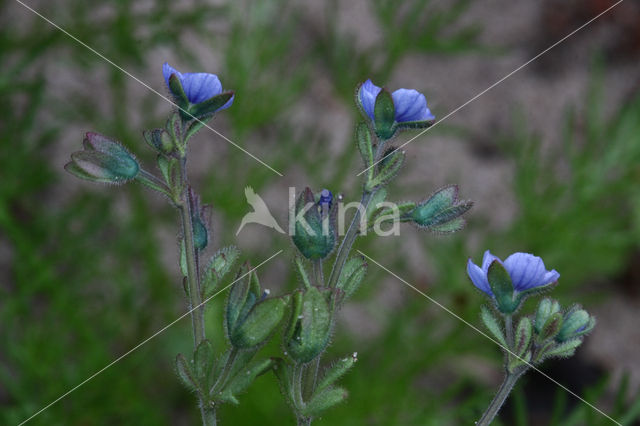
504,391
193,281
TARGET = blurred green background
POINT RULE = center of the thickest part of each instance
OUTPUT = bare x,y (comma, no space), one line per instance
551,157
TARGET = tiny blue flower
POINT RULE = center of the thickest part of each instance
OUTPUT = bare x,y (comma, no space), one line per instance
410,105
198,86
326,197
527,272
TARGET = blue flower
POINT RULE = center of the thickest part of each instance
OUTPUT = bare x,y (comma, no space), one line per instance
326,198
527,272
198,86
409,104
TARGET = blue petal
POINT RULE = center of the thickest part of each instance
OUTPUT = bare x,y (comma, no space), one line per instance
479,277
200,86
410,105
367,95
528,271
167,70
487,260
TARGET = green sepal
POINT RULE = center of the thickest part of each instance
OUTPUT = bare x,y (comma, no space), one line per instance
219,265
408,125
179,96
323,400
206,109
492,324
388,169
186,374
243,379
517,363
384,113
203,361
550,328
258,325
524,332
564,349
365,146
200,233
309,331
351,276
442,211
502,288
302,272
546,308
336,371
242,296
160,140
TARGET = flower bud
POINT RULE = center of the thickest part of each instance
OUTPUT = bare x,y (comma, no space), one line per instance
160,140
577,322
103,160
309,328
251,317
314,229
442,211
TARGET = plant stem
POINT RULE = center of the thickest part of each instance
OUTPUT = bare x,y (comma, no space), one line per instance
508,325
348,240
297,378
193,281
504,391
197,314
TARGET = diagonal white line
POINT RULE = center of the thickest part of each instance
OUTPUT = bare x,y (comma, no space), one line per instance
146,85
449,311
143,342
498,82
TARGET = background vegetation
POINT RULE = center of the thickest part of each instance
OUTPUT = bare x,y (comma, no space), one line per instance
87,272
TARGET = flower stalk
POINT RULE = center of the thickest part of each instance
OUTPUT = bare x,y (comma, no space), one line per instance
505,389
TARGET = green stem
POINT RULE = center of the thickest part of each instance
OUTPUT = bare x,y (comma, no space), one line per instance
297,378
348,240
508,325
504,391
193,282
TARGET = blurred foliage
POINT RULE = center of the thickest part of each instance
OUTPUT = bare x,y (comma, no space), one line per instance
82,277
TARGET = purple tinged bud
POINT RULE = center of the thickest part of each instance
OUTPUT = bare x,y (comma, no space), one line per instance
326,198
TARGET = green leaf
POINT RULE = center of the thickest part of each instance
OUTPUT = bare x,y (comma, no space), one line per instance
185,374
336,371
203,360
550,328
351,276
524,332
243,379
219,265
323,400
389,168
563,350
365,146
493,326
282,370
